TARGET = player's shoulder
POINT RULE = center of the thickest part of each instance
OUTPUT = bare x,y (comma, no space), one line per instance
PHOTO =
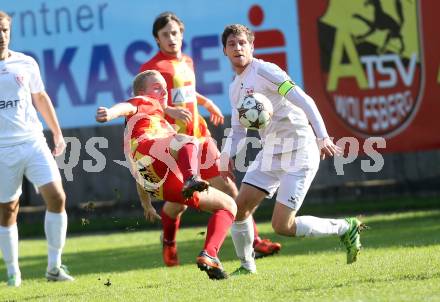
22,57
262,67
151,63
187,58
270,72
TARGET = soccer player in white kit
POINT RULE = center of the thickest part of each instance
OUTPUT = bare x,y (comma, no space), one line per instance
24,151
289,158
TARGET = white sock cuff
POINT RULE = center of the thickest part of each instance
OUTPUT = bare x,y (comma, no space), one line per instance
9,229
51,216
243,222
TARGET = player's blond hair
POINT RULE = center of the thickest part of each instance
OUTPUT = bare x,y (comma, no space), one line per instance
237,29
140,80
4,15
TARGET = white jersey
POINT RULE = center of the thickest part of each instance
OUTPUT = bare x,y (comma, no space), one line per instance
289,127
19,77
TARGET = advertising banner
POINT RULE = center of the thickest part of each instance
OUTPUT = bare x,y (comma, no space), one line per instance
89,51
373,67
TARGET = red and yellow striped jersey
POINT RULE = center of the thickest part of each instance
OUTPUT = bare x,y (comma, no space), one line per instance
181,82
148,123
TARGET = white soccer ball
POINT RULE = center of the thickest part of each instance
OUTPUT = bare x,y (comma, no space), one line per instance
254,111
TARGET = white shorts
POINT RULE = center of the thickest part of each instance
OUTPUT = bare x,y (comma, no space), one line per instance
32,159
291,173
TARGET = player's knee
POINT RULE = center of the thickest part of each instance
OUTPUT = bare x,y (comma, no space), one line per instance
56,200
229,204
9,210
173,209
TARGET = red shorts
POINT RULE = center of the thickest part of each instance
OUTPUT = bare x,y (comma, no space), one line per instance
161,174
209,159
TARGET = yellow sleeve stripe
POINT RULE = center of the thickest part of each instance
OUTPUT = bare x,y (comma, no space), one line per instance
285,87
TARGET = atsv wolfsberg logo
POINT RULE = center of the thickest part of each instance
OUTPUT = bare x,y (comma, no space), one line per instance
371,63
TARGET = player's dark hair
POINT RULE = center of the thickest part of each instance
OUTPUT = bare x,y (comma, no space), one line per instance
4,15
163,19
237,29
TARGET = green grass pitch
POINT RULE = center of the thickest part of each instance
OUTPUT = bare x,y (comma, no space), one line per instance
400,262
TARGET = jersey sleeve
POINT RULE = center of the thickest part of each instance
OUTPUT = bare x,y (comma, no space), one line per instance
279,81
35,81
271,76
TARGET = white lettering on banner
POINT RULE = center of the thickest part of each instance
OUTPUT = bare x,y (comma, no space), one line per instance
382,68
87,58
49,21
374,113
185,94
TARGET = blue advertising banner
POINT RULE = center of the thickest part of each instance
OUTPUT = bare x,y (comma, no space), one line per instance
89,51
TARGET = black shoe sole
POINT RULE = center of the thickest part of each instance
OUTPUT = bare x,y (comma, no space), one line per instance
214,273
198,187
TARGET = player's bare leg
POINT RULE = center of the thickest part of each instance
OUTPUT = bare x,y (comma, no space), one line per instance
9,241
262,247
55,228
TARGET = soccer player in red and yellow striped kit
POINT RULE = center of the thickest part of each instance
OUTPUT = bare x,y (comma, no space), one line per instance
165,165
178,71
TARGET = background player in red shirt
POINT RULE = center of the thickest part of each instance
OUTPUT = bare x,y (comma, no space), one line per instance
178,71
165,165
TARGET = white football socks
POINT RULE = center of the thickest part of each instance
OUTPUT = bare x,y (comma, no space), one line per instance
310,226
242,233
9,248
55,227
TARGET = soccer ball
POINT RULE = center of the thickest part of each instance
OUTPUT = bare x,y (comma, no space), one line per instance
254,111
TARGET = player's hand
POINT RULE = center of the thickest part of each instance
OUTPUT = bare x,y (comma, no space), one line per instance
216,115
328,148
103,115
59,144
179,114
226,167
151,214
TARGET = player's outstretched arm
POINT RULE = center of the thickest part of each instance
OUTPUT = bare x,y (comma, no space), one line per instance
104,114
299,98
149,211
216,115
44,105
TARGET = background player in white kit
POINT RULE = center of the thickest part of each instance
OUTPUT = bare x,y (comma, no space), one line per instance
24,151
289,159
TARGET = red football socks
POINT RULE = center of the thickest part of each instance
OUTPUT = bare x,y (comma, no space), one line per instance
187,160
218,227
170,227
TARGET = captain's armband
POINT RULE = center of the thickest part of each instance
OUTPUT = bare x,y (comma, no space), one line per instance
285,87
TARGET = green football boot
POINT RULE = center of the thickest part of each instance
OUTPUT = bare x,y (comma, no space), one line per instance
14,280
241,271
352,238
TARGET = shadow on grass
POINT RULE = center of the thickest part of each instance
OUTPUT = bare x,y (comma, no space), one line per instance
416,230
